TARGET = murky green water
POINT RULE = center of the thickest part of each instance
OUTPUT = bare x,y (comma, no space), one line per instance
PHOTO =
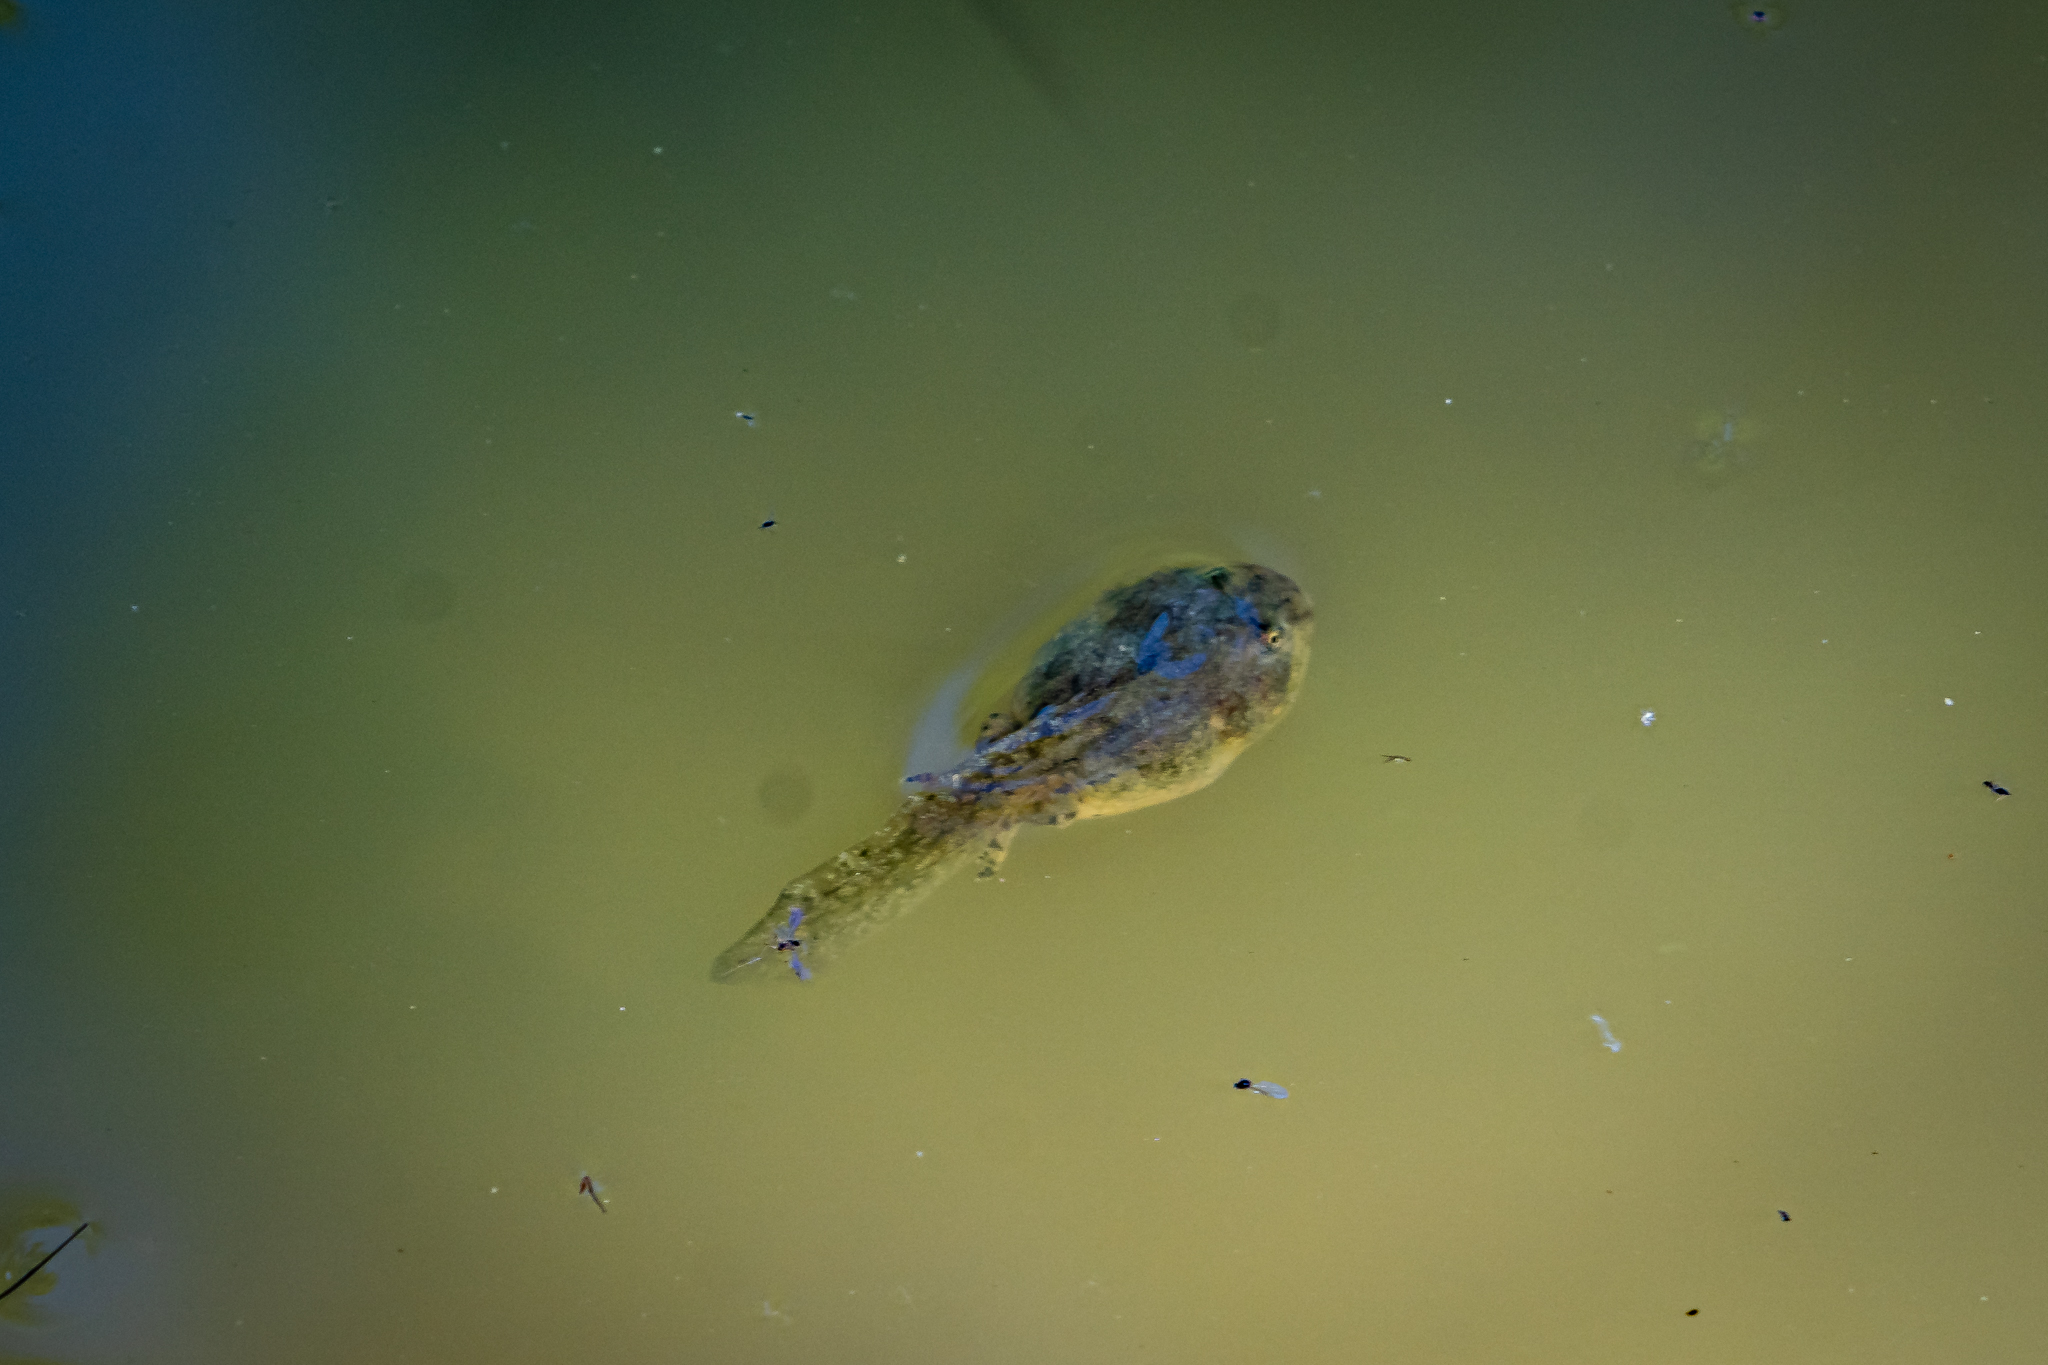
406,702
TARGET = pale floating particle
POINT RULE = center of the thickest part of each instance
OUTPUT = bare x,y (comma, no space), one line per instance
1948,701
902,558
1649,717
746,417
1278,1092
1608,1040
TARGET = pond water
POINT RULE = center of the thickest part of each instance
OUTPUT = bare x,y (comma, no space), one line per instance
406,702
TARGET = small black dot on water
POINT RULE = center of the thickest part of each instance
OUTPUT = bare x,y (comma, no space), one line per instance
1692,1312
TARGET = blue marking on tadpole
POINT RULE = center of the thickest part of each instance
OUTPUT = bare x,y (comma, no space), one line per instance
1152,654
1048,722
1247,614
1152,648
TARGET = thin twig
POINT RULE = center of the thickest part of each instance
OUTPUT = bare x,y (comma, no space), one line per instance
45,1261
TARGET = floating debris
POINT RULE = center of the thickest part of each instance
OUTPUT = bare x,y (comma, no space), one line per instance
746,417
1278,1092
1784,1217
1609,1041
1998,793
589,1187
1758,18
1395,758
1649,717
45,1261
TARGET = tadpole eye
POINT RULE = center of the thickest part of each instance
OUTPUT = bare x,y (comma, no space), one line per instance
1218,577
1271,637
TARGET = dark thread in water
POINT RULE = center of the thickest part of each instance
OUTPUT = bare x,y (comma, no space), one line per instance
45,1261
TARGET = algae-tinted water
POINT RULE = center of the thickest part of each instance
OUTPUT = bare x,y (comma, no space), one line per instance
405,701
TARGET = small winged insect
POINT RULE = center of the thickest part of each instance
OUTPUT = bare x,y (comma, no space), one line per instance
746,417
786,941
1998,793
1395,758
1278,1092
589,1187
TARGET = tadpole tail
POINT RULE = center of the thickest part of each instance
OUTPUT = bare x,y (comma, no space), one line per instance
849,896
46,1260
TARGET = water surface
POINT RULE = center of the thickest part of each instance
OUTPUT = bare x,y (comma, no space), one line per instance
405,701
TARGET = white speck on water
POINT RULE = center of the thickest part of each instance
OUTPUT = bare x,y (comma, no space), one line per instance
1948,701
1649,717
1608,1040
900,559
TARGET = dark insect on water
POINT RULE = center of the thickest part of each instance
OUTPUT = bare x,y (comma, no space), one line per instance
589,1187
1997,792
1395,758
768,523
1784,1217
786,941
45,1261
